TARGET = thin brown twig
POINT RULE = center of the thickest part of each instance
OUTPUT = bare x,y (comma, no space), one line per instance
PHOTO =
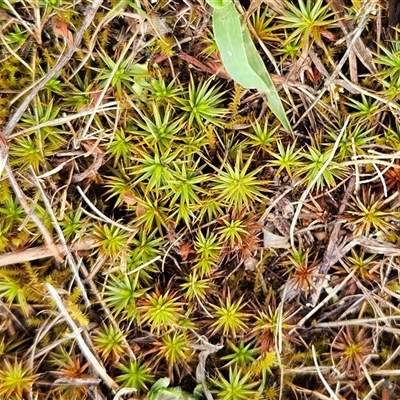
39,252
100,370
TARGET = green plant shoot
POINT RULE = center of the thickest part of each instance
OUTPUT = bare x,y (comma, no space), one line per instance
240,57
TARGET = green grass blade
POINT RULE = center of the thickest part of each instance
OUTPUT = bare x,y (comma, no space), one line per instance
228,36
218,3
272,94
241,59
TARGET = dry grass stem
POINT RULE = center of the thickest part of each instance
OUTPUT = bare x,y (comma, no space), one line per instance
81,343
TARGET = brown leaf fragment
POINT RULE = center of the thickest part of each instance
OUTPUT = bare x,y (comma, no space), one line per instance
314,76
3,152
92,147
387,390
158,59
328,35
194,62
140,210
60,30
94,97
129,198
218,68
184,250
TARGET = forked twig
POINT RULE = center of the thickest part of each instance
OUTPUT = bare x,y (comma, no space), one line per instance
79,339
325,383
206,348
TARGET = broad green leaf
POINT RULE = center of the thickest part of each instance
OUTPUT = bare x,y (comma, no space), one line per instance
272,94
218,3
160,391
229,37
241,59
